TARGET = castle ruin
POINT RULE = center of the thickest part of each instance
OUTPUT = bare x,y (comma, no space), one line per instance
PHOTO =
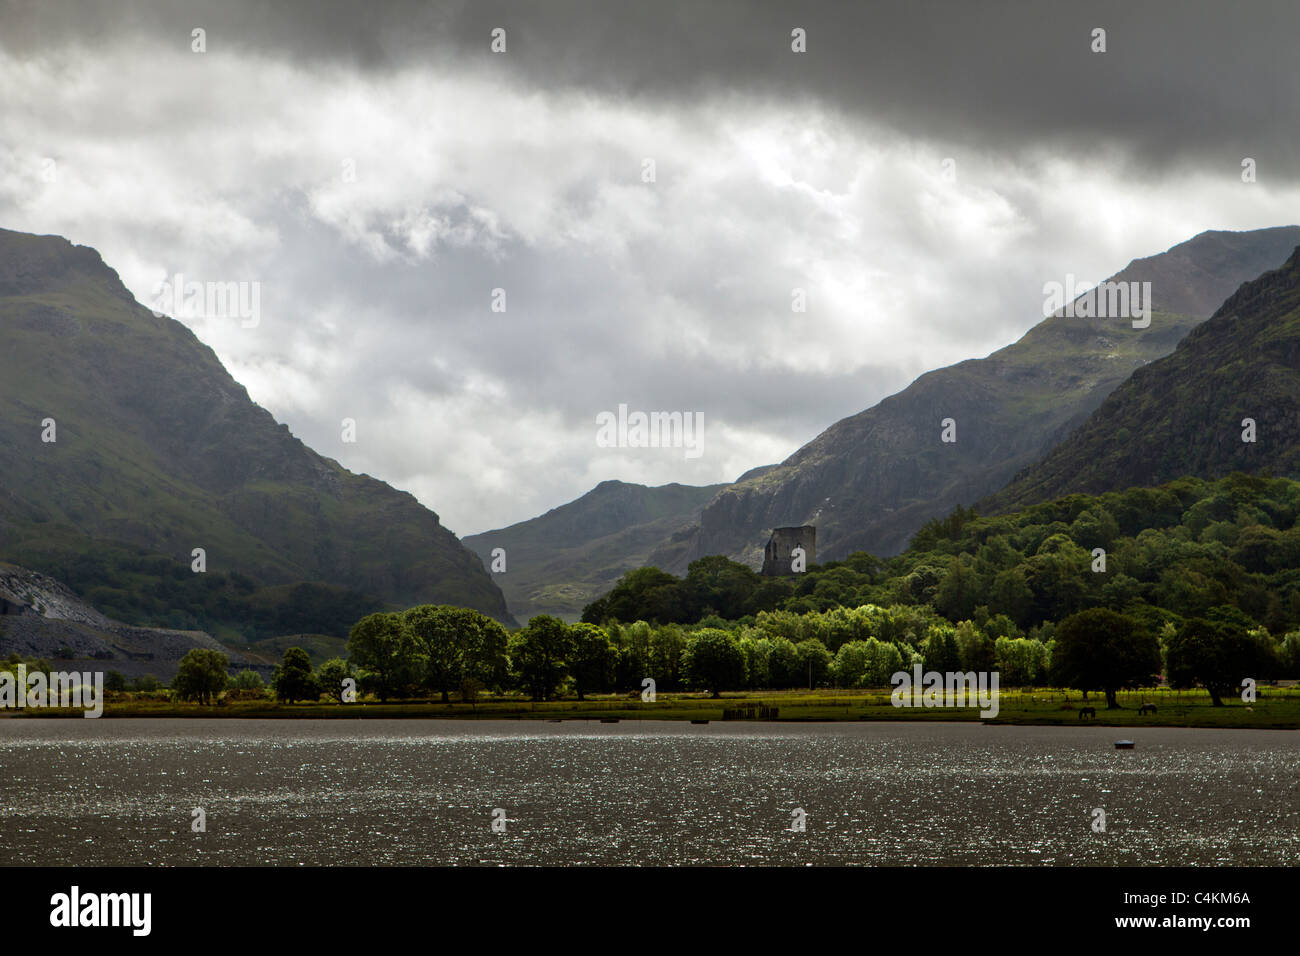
777,556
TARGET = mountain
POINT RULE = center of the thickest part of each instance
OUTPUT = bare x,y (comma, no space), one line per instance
561,561
1183,414
870,481
158,451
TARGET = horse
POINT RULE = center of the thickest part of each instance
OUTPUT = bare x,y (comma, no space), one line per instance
1089,712
1147,707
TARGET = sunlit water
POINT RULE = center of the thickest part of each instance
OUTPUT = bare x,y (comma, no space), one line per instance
423,792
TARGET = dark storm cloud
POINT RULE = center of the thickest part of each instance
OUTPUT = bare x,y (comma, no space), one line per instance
1182,83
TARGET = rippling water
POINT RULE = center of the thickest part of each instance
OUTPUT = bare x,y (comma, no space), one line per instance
287,792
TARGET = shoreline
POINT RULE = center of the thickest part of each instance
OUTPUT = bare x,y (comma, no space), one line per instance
1280,712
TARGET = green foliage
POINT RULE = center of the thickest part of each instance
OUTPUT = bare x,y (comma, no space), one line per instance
1021,661
1289,655
539,655
868,663
783,663
592,659
943,529
988,595
201,675
1098,649
331,675
667,644
1177,550
713,586
387,654
247,680
941,652
456,644
714,661
1219,654
293,679
813,660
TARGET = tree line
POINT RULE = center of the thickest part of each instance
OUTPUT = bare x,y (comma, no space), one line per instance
437,651
1196,582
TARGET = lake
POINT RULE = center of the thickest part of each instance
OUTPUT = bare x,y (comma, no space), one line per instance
408,792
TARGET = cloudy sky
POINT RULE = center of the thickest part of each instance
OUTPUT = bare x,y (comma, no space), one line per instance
379,170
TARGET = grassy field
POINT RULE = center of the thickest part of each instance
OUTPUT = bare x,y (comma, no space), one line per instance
1276,708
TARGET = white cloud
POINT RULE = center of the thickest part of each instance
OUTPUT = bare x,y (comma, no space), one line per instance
666,296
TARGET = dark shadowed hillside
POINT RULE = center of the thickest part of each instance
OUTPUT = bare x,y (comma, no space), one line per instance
159,451
559,562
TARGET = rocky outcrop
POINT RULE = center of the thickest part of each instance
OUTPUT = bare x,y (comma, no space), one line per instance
46,620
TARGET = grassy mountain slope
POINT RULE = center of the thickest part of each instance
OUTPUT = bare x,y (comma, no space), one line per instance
159,451
870,481
560,561
1183,415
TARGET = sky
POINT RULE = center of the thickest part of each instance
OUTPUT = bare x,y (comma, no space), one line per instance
475,253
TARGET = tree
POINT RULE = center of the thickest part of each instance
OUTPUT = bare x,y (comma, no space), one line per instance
941,651
757,649
293,679
202,675
1218,655
539,654
248,679
977,651
644,594
782,663
1290,655
330,677
884,660
592,659
1056,577
115,680
667,644
713,660
1011,595
385,649
724,587
1020,661
956,595
634,658
1099,649
814,661
850,666
456,644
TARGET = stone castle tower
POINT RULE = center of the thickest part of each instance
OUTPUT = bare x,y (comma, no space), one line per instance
776,556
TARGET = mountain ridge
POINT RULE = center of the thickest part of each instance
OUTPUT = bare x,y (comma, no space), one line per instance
871,480
1185,414
159,450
